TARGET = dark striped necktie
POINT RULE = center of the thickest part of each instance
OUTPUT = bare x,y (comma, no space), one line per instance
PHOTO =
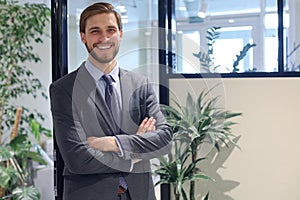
111,99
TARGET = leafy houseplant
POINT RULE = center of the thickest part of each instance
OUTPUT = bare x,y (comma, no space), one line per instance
195,125
21,25
207,59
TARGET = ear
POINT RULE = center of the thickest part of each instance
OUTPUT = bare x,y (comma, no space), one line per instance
83,38
121,33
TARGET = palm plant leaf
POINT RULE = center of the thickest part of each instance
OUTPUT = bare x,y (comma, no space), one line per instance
200,176
19,140
5,154
205,60
4,176
182,192
231,114
241,56
8,175
206,197
26,193
36,156
170,112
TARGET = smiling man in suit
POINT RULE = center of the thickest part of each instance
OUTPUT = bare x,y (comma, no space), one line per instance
107,120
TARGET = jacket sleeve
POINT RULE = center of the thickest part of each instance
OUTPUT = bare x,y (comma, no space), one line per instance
70,136
151,144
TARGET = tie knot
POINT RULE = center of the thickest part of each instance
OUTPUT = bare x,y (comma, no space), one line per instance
107,79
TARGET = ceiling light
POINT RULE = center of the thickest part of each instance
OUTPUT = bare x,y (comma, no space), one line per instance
201,14
202,11
120,7
182,8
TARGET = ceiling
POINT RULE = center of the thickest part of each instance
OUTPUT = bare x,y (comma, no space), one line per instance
143,10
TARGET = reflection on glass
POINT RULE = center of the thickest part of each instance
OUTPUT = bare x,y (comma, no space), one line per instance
229,45
201,8
271,5
139,44
188,42
224,58
241,23
271,46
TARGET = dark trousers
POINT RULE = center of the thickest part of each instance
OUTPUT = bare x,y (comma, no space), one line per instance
124,196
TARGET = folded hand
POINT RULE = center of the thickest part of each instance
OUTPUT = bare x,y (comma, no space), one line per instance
148,124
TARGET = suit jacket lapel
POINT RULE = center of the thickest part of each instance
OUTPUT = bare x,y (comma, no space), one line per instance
84,82
130,113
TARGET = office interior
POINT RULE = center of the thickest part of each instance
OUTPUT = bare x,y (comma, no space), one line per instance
160,40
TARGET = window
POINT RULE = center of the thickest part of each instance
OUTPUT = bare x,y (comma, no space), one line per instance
139,43
248,36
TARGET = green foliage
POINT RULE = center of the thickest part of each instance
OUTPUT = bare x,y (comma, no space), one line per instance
207,59
177,172
8,175
200,119
17,154
25,193
198,123
241,56
21,26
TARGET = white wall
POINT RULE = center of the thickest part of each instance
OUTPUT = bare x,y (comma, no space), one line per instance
42,71
267,166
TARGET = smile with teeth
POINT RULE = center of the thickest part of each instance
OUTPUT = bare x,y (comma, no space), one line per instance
104,46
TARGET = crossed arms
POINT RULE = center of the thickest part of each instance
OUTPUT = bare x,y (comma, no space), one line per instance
109,143
85,154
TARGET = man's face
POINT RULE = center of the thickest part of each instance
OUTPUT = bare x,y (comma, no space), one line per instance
102,37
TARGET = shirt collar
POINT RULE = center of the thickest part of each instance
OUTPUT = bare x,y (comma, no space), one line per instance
97,73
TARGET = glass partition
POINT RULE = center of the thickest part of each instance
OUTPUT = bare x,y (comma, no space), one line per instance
236,36
138,51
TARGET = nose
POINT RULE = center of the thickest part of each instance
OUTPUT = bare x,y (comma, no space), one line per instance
102,36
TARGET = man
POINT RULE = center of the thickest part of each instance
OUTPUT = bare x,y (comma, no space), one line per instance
107,120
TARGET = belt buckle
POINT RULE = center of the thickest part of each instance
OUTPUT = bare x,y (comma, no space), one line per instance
121,190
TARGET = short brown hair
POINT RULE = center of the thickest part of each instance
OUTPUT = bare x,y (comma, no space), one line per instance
98,8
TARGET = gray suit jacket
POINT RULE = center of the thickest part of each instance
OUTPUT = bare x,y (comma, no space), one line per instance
79,111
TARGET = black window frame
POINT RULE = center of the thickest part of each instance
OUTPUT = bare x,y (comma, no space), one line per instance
171,57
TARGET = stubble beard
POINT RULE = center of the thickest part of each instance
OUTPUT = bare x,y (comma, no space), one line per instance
103,59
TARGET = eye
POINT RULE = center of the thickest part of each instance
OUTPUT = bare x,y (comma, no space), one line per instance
94,31
111,30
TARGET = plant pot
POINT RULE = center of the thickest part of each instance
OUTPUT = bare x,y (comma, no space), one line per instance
2,192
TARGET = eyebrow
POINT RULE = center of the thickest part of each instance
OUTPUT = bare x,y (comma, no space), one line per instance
96,27
112,27
93,28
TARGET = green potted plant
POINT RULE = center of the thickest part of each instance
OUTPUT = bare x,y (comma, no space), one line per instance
21,26
198,123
